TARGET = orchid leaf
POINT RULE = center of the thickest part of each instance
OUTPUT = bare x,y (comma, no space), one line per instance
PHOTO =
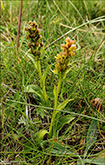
63,104
91,136
60,149
44,76
33,60
64,120
97,161
41,134
34,89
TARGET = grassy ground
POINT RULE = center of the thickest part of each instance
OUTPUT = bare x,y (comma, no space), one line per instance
84,82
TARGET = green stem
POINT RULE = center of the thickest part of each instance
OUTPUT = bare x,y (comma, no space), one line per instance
57,93
40,76
51,132
44,92
39,70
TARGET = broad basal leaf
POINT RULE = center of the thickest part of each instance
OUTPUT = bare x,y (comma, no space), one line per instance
97,161
41,134
34,89
91,136
59,149
64,120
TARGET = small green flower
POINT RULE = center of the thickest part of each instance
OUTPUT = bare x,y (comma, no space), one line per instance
69,47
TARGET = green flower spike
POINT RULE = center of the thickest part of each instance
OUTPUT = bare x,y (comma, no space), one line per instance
34,38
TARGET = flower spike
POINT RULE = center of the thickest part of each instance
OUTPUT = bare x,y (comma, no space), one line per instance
63,58
34,37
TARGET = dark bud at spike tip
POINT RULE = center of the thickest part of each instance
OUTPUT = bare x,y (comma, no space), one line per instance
41,44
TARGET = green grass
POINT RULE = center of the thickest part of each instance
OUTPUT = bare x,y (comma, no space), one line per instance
84,82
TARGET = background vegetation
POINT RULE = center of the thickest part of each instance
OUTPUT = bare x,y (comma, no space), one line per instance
84,82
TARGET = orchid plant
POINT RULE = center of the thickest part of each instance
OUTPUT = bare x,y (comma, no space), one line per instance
62,67
35,46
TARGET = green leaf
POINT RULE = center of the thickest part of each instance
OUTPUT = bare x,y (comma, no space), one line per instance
62,149
59,149
91,136
64,120
62,105
34,89
41,134
33,60
96,161
99,161
44,76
